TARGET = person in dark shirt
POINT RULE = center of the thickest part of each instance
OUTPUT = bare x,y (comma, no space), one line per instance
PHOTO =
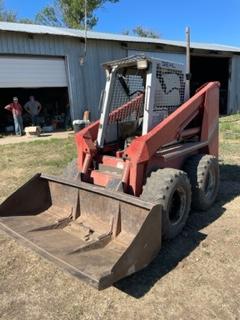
33,107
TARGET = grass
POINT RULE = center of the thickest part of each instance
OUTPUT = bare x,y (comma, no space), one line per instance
230,126
229,148
18,162
231,118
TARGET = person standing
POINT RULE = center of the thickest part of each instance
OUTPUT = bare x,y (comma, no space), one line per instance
33,107
16,110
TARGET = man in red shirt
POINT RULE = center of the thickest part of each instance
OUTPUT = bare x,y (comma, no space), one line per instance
16,110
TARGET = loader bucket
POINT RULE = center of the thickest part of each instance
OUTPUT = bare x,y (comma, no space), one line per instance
97,235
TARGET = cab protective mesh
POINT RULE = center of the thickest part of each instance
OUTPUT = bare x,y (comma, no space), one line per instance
126,89
170,89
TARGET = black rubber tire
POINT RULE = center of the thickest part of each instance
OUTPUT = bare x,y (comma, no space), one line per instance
71,171
203,173
170,188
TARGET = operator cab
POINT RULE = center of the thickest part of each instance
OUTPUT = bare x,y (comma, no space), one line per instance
140,92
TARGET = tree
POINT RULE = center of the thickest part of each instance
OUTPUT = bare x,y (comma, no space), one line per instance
142,32
7,15
11,16
49,16
71,13
25,20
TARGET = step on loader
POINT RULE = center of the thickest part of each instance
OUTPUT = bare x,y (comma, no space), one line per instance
140,168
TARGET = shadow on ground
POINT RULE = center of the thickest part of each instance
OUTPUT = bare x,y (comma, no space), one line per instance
177,249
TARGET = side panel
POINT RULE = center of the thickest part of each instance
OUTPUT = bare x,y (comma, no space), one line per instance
165,92
234,86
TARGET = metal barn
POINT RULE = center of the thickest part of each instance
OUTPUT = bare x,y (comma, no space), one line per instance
45,61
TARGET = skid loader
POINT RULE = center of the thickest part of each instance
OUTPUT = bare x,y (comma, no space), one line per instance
150,157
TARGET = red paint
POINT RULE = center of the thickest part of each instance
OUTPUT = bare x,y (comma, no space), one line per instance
140,156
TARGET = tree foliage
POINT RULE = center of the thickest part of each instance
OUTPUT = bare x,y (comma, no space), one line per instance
142,32
11,16
25,20
71,13
7,15
49,16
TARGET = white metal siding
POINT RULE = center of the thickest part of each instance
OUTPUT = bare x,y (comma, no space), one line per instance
32,72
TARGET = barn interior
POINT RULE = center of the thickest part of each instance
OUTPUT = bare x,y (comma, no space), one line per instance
206,69
54,103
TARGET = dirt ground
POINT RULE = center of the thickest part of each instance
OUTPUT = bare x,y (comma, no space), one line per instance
12,139
195,276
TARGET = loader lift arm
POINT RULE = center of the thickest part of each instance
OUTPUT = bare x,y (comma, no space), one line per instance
144,148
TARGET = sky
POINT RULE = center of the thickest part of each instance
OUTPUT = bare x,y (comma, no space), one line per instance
212,21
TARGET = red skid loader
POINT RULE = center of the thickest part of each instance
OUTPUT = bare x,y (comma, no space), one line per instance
140,168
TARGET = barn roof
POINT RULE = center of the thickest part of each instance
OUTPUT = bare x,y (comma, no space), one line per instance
39,29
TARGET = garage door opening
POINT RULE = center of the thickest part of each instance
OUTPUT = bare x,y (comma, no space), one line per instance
45,78
205,69
54,103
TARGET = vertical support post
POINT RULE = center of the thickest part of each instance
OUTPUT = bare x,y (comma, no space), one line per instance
188,74
106,107
70,90
148,116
